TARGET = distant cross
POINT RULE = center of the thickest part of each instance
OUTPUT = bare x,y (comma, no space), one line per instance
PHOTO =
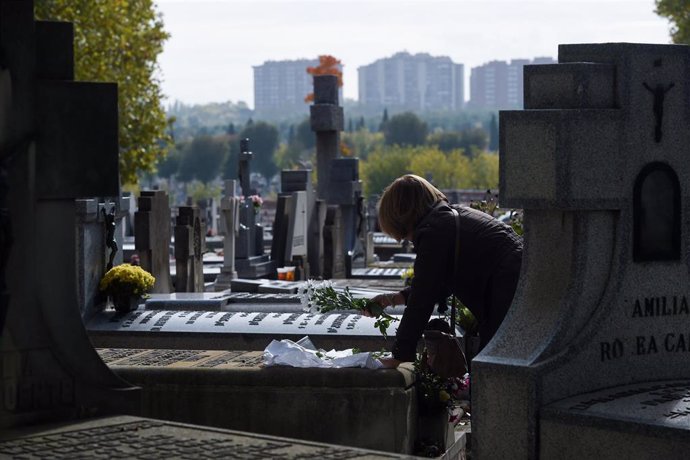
659,93
243,170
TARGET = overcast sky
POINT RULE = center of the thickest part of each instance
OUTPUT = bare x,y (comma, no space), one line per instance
214,44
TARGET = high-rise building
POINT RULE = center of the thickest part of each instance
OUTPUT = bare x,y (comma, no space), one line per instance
412,82
281,86
498,84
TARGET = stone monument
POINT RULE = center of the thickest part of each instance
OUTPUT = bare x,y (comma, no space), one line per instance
190,236
326,122
152,237
229,228
58,142
592,359
250,260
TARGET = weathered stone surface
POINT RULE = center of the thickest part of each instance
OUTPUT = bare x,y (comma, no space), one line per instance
135,437
58,143
339,406
582,85
602,296
152,237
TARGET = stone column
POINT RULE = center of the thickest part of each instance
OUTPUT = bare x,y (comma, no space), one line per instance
326,122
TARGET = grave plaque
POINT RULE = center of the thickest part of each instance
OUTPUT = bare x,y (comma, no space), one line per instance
233,330
599,162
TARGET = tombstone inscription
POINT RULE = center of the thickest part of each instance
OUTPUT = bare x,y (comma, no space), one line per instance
598,316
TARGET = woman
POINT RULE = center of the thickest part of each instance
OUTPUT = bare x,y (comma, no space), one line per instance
490,254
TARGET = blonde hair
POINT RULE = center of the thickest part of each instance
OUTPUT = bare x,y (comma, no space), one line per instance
404,203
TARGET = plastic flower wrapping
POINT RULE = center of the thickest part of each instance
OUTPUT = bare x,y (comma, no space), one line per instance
322,297
126,279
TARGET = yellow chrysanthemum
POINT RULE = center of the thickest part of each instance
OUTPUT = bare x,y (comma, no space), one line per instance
126,279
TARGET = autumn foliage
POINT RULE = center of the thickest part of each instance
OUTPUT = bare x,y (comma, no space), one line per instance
328,65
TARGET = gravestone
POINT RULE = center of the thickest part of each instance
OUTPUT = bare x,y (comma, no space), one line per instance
327,122
339,406
190,236
595,342
345,190
152,237
229,228
300,180
290,230
58,142
99,241
250,260
333,255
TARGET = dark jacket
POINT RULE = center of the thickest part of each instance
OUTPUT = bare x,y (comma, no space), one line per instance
487,274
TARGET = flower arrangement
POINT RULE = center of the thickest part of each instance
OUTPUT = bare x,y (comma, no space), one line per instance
126,280
437,393
257,201
321,297
407,276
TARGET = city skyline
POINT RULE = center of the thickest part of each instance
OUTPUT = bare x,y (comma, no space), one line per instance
214,44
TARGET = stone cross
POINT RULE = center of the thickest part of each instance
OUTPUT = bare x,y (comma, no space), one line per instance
326,122
603,298
58,142
229,228
244,168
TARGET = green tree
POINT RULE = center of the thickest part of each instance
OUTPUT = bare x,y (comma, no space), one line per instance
230,164
493,133
169,165
446,141
444,170
119,41
263,141
484,171
203,158
678,14
362,142
405,129
383,166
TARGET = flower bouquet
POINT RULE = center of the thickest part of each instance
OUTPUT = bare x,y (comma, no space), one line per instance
321,297
126,282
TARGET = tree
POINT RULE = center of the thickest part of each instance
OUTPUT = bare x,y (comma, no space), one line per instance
263,141
328,65
120,42
493,133
678,14
484,171
169,165
405,129
446,141
383,166
384,120
203,158
445,170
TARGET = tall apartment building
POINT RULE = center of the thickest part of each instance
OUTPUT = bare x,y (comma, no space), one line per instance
498,84
281,86
412,82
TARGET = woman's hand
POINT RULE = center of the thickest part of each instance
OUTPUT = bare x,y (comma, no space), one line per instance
386,300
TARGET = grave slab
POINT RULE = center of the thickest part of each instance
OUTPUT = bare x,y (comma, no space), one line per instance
233,330
137,437
339,406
